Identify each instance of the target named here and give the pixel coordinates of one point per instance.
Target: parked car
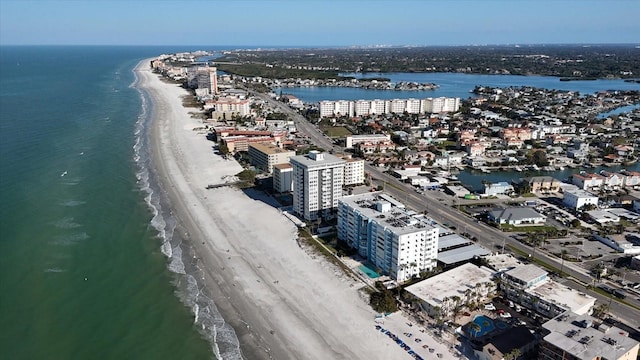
(518, 308)
(489, 307)
(505, 315)
(510, 304)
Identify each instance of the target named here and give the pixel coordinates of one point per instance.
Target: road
(439, 207)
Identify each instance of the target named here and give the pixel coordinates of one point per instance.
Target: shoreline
(282, 302)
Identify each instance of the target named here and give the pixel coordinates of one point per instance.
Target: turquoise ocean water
(82, 274)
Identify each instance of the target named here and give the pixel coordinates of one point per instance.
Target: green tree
(383, 301)
(513, 354)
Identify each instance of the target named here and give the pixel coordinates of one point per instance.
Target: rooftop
(315, 158)
(577, 335)
(515, 213)
(451, 283)
(501, 262)
(461, 254)
(564, 296)
(388, 212)
(270, 149)
(526, 273)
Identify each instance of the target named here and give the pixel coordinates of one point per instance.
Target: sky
(318, 23)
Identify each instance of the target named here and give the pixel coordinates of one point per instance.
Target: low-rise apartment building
(442, 294)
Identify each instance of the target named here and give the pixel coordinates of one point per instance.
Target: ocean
(82, 272)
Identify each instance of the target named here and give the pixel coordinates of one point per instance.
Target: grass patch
(527, 229)
(336, 131)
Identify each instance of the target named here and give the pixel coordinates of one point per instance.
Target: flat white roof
(575, 334)
(564, 296)
(526, 272)
(398, 219)
(451, 283)
(447, 241)
(462, 254)
(502, 261)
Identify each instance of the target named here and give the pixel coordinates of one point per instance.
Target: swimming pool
(483, 325)
(370, 273)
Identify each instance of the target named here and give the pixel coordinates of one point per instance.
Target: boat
(63, 174)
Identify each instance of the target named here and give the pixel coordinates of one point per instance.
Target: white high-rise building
(317, 184)
(336, 108)
(441, 104)
(354, 171)
(395, 240)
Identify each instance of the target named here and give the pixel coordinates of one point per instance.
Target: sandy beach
(282, 302)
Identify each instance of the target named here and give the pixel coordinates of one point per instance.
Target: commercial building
(516, 216)
(395, 240)
(265, 156)
(531, 287)
(283, 178)
(572, 336)
(317, 184)
(440, 295)
(576, 199)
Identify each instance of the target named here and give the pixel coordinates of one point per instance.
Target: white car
(518, 308)
(510, 304)
(505, 315)
(489, 307)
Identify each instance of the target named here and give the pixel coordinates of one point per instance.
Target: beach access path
(282, 302)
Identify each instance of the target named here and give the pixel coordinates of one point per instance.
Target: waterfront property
(573, 336)
(445, 294)
(395, 240)
(538, 183)
(499, 188)
(317, 184)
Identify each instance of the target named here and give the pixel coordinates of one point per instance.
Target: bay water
(450, 85)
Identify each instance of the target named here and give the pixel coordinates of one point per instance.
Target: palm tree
(562, 255)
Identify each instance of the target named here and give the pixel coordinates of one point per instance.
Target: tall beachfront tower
(317, 184)
(394, 239)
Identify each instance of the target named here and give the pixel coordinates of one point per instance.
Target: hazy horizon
(312, 23)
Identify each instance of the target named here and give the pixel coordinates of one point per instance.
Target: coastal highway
(441, 208)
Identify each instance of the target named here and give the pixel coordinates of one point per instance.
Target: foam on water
(71, 239)
(72, 203)
(66, 223)
(222, 337)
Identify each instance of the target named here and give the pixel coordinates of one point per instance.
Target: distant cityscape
(341, 170)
